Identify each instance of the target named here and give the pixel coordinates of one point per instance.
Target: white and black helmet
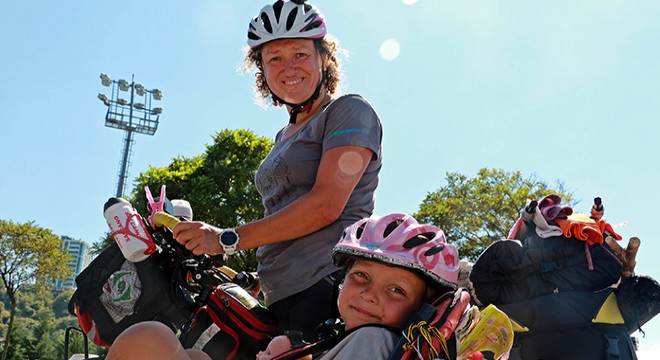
(286, 19)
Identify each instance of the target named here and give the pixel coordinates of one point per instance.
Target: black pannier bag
(570, 325)
(113, 294)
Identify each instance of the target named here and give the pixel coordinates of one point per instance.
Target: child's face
(374, 293)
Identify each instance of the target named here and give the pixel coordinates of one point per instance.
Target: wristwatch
(228, 239)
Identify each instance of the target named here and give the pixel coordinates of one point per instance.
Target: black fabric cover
(639, 301)
(510, 271)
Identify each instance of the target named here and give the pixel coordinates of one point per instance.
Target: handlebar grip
(616, 247)
(161, 218)
(529, 210)
(228, 271)
(631, 254)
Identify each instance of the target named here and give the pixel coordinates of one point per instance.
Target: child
(392, 265)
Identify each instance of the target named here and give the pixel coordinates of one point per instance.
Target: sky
(566, 91)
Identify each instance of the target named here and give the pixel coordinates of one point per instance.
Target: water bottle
(128, 230)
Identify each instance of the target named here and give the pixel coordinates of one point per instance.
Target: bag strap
(435, 316)
(425, 313)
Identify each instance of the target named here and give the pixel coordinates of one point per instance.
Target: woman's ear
(324, 61)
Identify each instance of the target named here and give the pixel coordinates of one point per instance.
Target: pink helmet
(398, 239)
(286, 19)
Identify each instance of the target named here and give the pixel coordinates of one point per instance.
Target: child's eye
(360, 275)
(397, 290)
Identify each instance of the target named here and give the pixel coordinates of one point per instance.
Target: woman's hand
(198, 237)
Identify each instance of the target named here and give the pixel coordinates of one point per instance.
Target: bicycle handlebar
(161, 218)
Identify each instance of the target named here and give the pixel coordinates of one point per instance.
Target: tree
(60, 303)
(219, 184)
(29, 256)
(21, 341)
(44, 344)
(40, 324)
(76, 345)
(474, 212)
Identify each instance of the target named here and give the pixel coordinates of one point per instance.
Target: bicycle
(194, 284)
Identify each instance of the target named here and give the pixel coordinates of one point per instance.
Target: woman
(320, 175)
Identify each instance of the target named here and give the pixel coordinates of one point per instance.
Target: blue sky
(565, 90)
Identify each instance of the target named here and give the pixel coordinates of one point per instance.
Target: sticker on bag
(121, 292)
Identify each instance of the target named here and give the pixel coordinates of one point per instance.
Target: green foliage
(101, 244)
(30, 255)
(60, 303)
(20, 342)
(176, 177)
(219, 184)
(32, 338)
(40, 326)
(76, 345)
(474, 212)
(30, 258)
(44, 344)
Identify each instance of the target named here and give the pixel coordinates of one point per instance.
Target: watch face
(228, 238)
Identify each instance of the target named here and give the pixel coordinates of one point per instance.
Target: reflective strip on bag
(206, 336)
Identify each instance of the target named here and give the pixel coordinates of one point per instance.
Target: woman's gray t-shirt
(289, 172)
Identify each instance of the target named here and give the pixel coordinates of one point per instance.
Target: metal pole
(128, 140)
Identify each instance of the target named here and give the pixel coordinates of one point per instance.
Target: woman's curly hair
(327, 46)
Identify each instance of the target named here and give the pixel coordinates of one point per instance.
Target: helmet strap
(303, 106)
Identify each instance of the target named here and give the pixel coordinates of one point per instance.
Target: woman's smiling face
(292, 68)
(375, 293)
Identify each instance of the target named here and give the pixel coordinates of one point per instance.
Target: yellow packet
(492, 333)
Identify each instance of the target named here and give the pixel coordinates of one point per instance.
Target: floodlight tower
(130, 116)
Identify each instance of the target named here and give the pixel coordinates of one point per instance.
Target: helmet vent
(417, 240)
(359, 231)
(277, 8)
(310, 17)
(434, 250)
(312, 25)
(266, 22)
(391, 226)
(290, 20)
(253, 36)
